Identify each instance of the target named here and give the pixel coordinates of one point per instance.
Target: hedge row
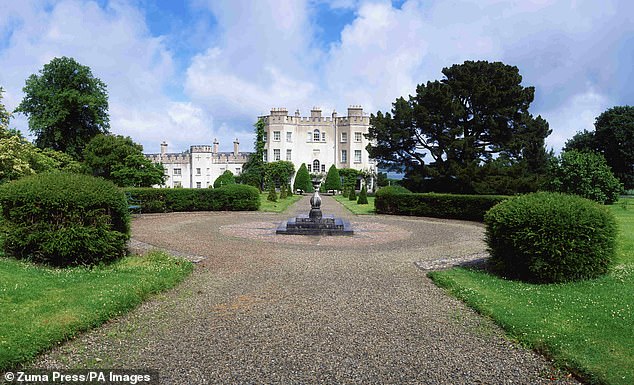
(231, 198)
(454, 206)
(64, 219)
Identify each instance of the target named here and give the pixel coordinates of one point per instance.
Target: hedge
(451, 206)
(551, 237)
(234, 197)
(64, 219)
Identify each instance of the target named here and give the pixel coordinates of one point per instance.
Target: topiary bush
(225, 179)
(353, 195)
(551, 237)
(64, 219)
(363, 197)
(232, 197)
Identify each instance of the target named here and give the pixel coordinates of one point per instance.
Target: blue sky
(190, 71)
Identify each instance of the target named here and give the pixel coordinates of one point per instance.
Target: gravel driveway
(266, 309)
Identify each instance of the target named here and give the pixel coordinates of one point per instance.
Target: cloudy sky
(189, 71)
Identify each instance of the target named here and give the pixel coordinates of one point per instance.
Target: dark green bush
(225, 179)
(353, 195)
(64, 219)
(363, 197)
(233, 197)
(452, 206)
(551, 237)
(392, 190)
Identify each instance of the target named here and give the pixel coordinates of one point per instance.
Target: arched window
(316, 136)
(316, 165)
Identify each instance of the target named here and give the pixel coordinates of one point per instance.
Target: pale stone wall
(319, 140)
(200, 166)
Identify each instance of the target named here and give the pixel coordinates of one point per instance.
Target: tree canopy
(476, 114)
(121, 160)
(279, 173)
(66, 106)
(586, 174)
(613, 138)
(253, 170)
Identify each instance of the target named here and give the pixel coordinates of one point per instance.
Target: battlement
(280, 115)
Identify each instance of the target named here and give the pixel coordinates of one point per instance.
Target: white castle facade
(200, 166)
(318, 141)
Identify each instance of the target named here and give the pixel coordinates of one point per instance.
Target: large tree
(613, 137)
(66, 106)
(121, 160)
(476, 114)
(253, 170)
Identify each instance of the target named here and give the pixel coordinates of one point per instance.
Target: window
(323, 168)
(197, 171)
(289, 136)
(344, 156)
(316, 136)
(207, 171)
(310, 136)
(177, 171)
(357, 156)
(276, 154)
(344, 137)
(288, 154)
(323, 136)
(264, 137)
(238, 170)
(316, 165)
(310, 168)
(177, 183)
(265, 156)
(198, 184)
(357, 136)
(276, 136)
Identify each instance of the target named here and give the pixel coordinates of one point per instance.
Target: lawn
(356, 208)
(277, 207)
(43, 306)
(586, 327)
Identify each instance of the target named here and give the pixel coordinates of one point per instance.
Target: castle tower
(215, 146)
(163, 148)
(236, 145)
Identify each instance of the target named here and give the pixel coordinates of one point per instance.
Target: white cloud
(578, 113)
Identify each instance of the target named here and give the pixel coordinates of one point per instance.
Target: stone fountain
(315, 223)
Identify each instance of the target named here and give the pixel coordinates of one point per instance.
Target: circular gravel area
(331, 310)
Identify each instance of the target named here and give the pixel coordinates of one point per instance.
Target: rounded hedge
(392, 190)
(64, 219)
(551, 237)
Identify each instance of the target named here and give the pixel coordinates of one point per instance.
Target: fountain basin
(305, 225)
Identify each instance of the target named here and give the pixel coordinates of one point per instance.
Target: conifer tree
(363, 197)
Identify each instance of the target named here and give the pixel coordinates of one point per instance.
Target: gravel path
(335, 310)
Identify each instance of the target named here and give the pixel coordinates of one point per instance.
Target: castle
(319, 141)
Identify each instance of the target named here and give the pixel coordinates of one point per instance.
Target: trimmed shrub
(353, 195)
(302, 180)
(225, 179)
(392, 190)
(283, 192)
(450, 206)
(64, 219)
(233, 197)
(363, 197)
(272, 197)
(551, 237)
(333, 180)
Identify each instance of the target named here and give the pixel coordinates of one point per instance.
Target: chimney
(236, 143)
(215, 147)
(163, 148)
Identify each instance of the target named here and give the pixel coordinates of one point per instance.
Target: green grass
(356, 208)
(587, 327)
(43, 306)
(276, 207)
